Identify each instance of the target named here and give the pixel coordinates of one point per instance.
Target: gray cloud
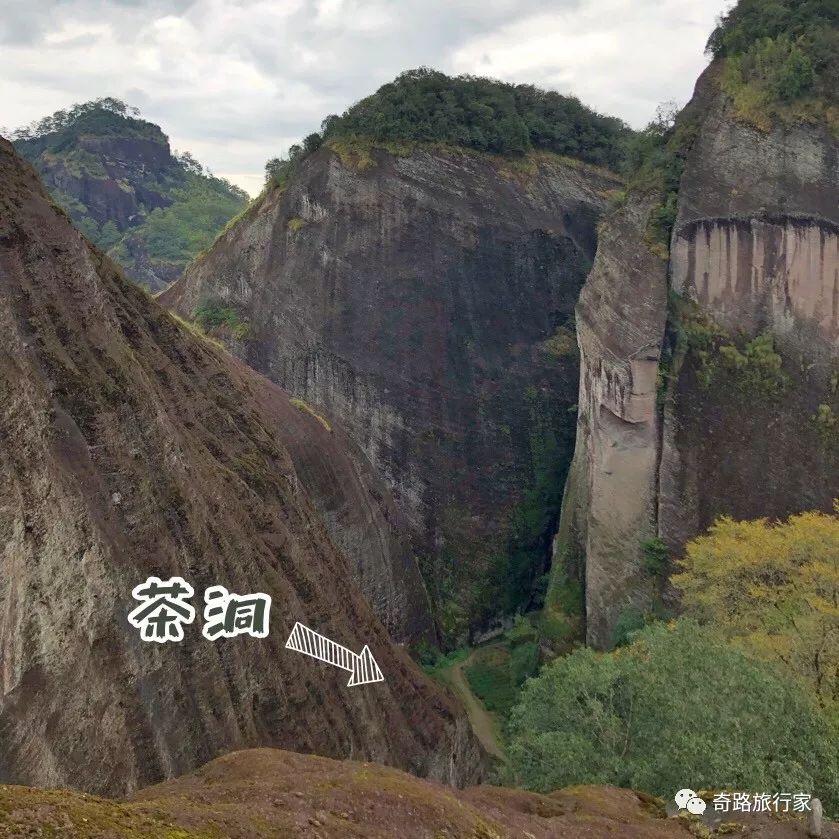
(236, 81)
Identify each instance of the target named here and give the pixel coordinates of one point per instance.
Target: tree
(312, 142)
(773, 587)
(677, 707)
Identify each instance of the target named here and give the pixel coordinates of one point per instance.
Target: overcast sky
(237, 81)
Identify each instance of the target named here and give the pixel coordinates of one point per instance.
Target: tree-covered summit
(103, 117)
(425, 105)
(781, 59)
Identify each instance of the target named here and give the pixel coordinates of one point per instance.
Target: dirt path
(484, 724)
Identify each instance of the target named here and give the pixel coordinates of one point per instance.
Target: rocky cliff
(611, 493)
(130, 447)
(743, 421)
(423, 297)
(118, 179)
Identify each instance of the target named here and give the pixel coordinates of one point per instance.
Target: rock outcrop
(413, 297)
(755, 247)
(753, 253)
(130, 447)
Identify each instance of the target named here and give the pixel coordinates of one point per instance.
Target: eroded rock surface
(610, 498)
(129, 447)
(754, 251)
(411, 298)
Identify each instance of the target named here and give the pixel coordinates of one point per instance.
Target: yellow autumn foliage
(772, 587)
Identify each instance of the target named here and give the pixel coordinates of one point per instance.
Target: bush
(774, 588)
(677, 707)
(779, 52)
(490, 678)
(630, 621)
(215, 316)
(655, 555)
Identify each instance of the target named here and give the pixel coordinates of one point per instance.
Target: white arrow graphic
(362, 666)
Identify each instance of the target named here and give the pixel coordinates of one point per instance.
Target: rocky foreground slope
(722, 399)
(130, 447)
(264, 793)
(261, 793)
(423, 296)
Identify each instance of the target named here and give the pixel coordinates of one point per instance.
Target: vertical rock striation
(754, 251)
(610, 498)
(129, 448)
(412, 297)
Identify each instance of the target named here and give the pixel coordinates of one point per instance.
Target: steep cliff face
(755, 246)
(610, 497)
(747, 383)
(120, 183)
(131, 448)
(413, 297)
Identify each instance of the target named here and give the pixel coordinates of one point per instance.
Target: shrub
(780, 52)
(630, 620)
(676, 707)
(214, 316)
(655, 555)
(774, 588)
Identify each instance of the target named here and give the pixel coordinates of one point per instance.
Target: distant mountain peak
(115, 174)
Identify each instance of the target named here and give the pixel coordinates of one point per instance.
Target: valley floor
(484, 723)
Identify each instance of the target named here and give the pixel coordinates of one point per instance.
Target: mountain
(709, 325)
(422, 294)
(116, 177)
(132, 447)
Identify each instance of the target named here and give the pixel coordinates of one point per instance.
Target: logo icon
(687, 799)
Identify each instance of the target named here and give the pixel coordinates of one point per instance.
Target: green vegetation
(425, 105)
(479, 577)
(749, 368)
(100, 117)
(522, 570)
(217, 317)
(434, 662)
(498, 671)
(491, 681)
(169, 208)
(676, 703)
(655, 555)
(308, 409)
(773, 587)
(654, 162)
(781, 59)
(827, 423)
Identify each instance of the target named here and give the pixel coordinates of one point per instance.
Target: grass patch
(304, 406)
(490, 679)
(434, 663)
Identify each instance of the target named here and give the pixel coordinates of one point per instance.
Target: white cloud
(236, 81)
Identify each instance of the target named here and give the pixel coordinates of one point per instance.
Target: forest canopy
(677, 703)
(425, 105)
(780, 52)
